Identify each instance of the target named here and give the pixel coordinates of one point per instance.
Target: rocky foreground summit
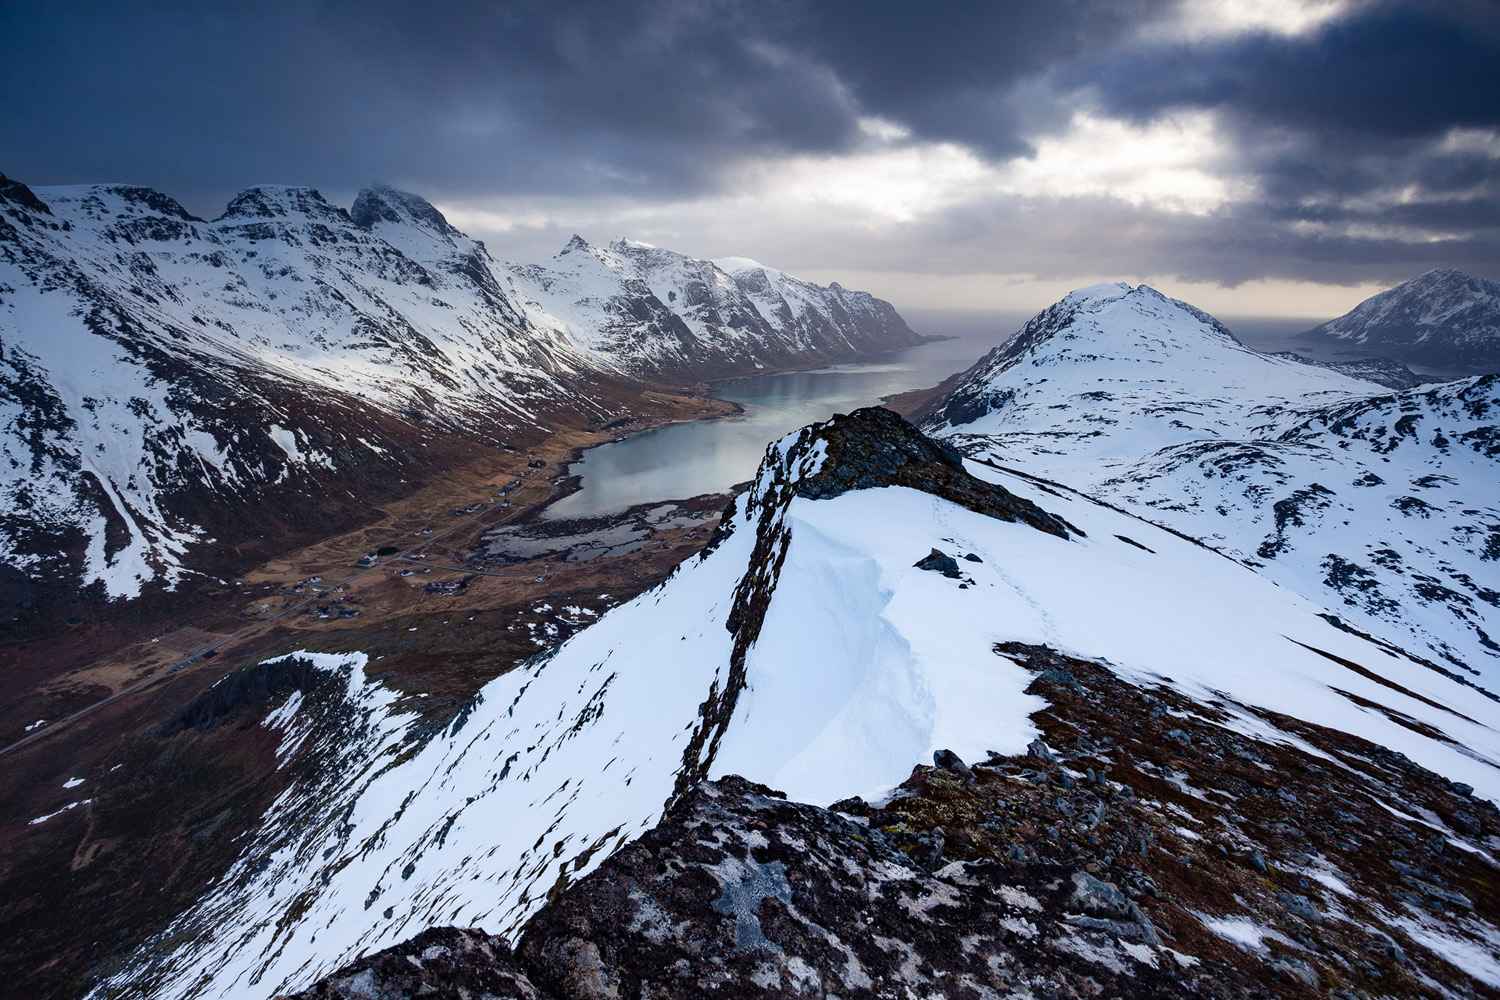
(1140, 849)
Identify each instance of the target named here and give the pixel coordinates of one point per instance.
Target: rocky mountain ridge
(1444, 318)
(1140, 848)
(651, 311)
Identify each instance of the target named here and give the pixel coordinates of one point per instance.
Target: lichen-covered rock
(875, 447)
(742, 893)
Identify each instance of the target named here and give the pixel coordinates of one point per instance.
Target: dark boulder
(939, 562)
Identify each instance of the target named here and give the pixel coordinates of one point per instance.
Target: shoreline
(570, 482)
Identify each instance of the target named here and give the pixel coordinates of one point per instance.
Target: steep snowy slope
(1444, 318)
(643, 309)
(1379, 505)
(166, 379)
(820, 646)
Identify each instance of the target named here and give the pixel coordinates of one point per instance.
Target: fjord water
(709, 456)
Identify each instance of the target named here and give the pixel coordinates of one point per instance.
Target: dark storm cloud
(462, 97)
(1343, 132)
(949, 71)
(650, 96)
(1394, 70)
(1346, 130)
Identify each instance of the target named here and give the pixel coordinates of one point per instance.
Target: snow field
(1378, 504)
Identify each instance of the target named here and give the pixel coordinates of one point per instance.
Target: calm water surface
(685, 460)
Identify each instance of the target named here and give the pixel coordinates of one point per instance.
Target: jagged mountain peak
(1142, 298)
(647, 307)
(626, 245)
(629, 257)
(100, 199)
(1441, 288)
(1440, 278)
(148, 200)
(382, 203)
(102, 203)
(1130, 331)
(739, 265)
(278, 201)
(1104, 291)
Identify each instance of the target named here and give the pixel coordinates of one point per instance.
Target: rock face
(446, 962)
(1375, 503)
(1444, 319)
(1144, 850)
(740, 893)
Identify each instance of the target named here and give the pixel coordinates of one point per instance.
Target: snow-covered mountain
(1379, 505)
(166, 378)
(872, 600)
(166, 381)
(1443, 318)
(650, 311)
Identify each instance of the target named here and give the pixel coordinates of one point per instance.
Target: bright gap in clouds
(1174, 164)
(1197, 20)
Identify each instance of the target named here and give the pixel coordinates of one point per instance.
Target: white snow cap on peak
(633, 244)
(1105, 291)
(735, 265)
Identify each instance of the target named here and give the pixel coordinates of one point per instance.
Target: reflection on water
(685, 460)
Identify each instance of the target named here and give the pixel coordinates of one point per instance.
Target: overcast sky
(1254, 156)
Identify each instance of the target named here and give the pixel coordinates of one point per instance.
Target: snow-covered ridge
(806, 649)
(1444, 318)
(641, 308)
(158, 371)
(1380, 505)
